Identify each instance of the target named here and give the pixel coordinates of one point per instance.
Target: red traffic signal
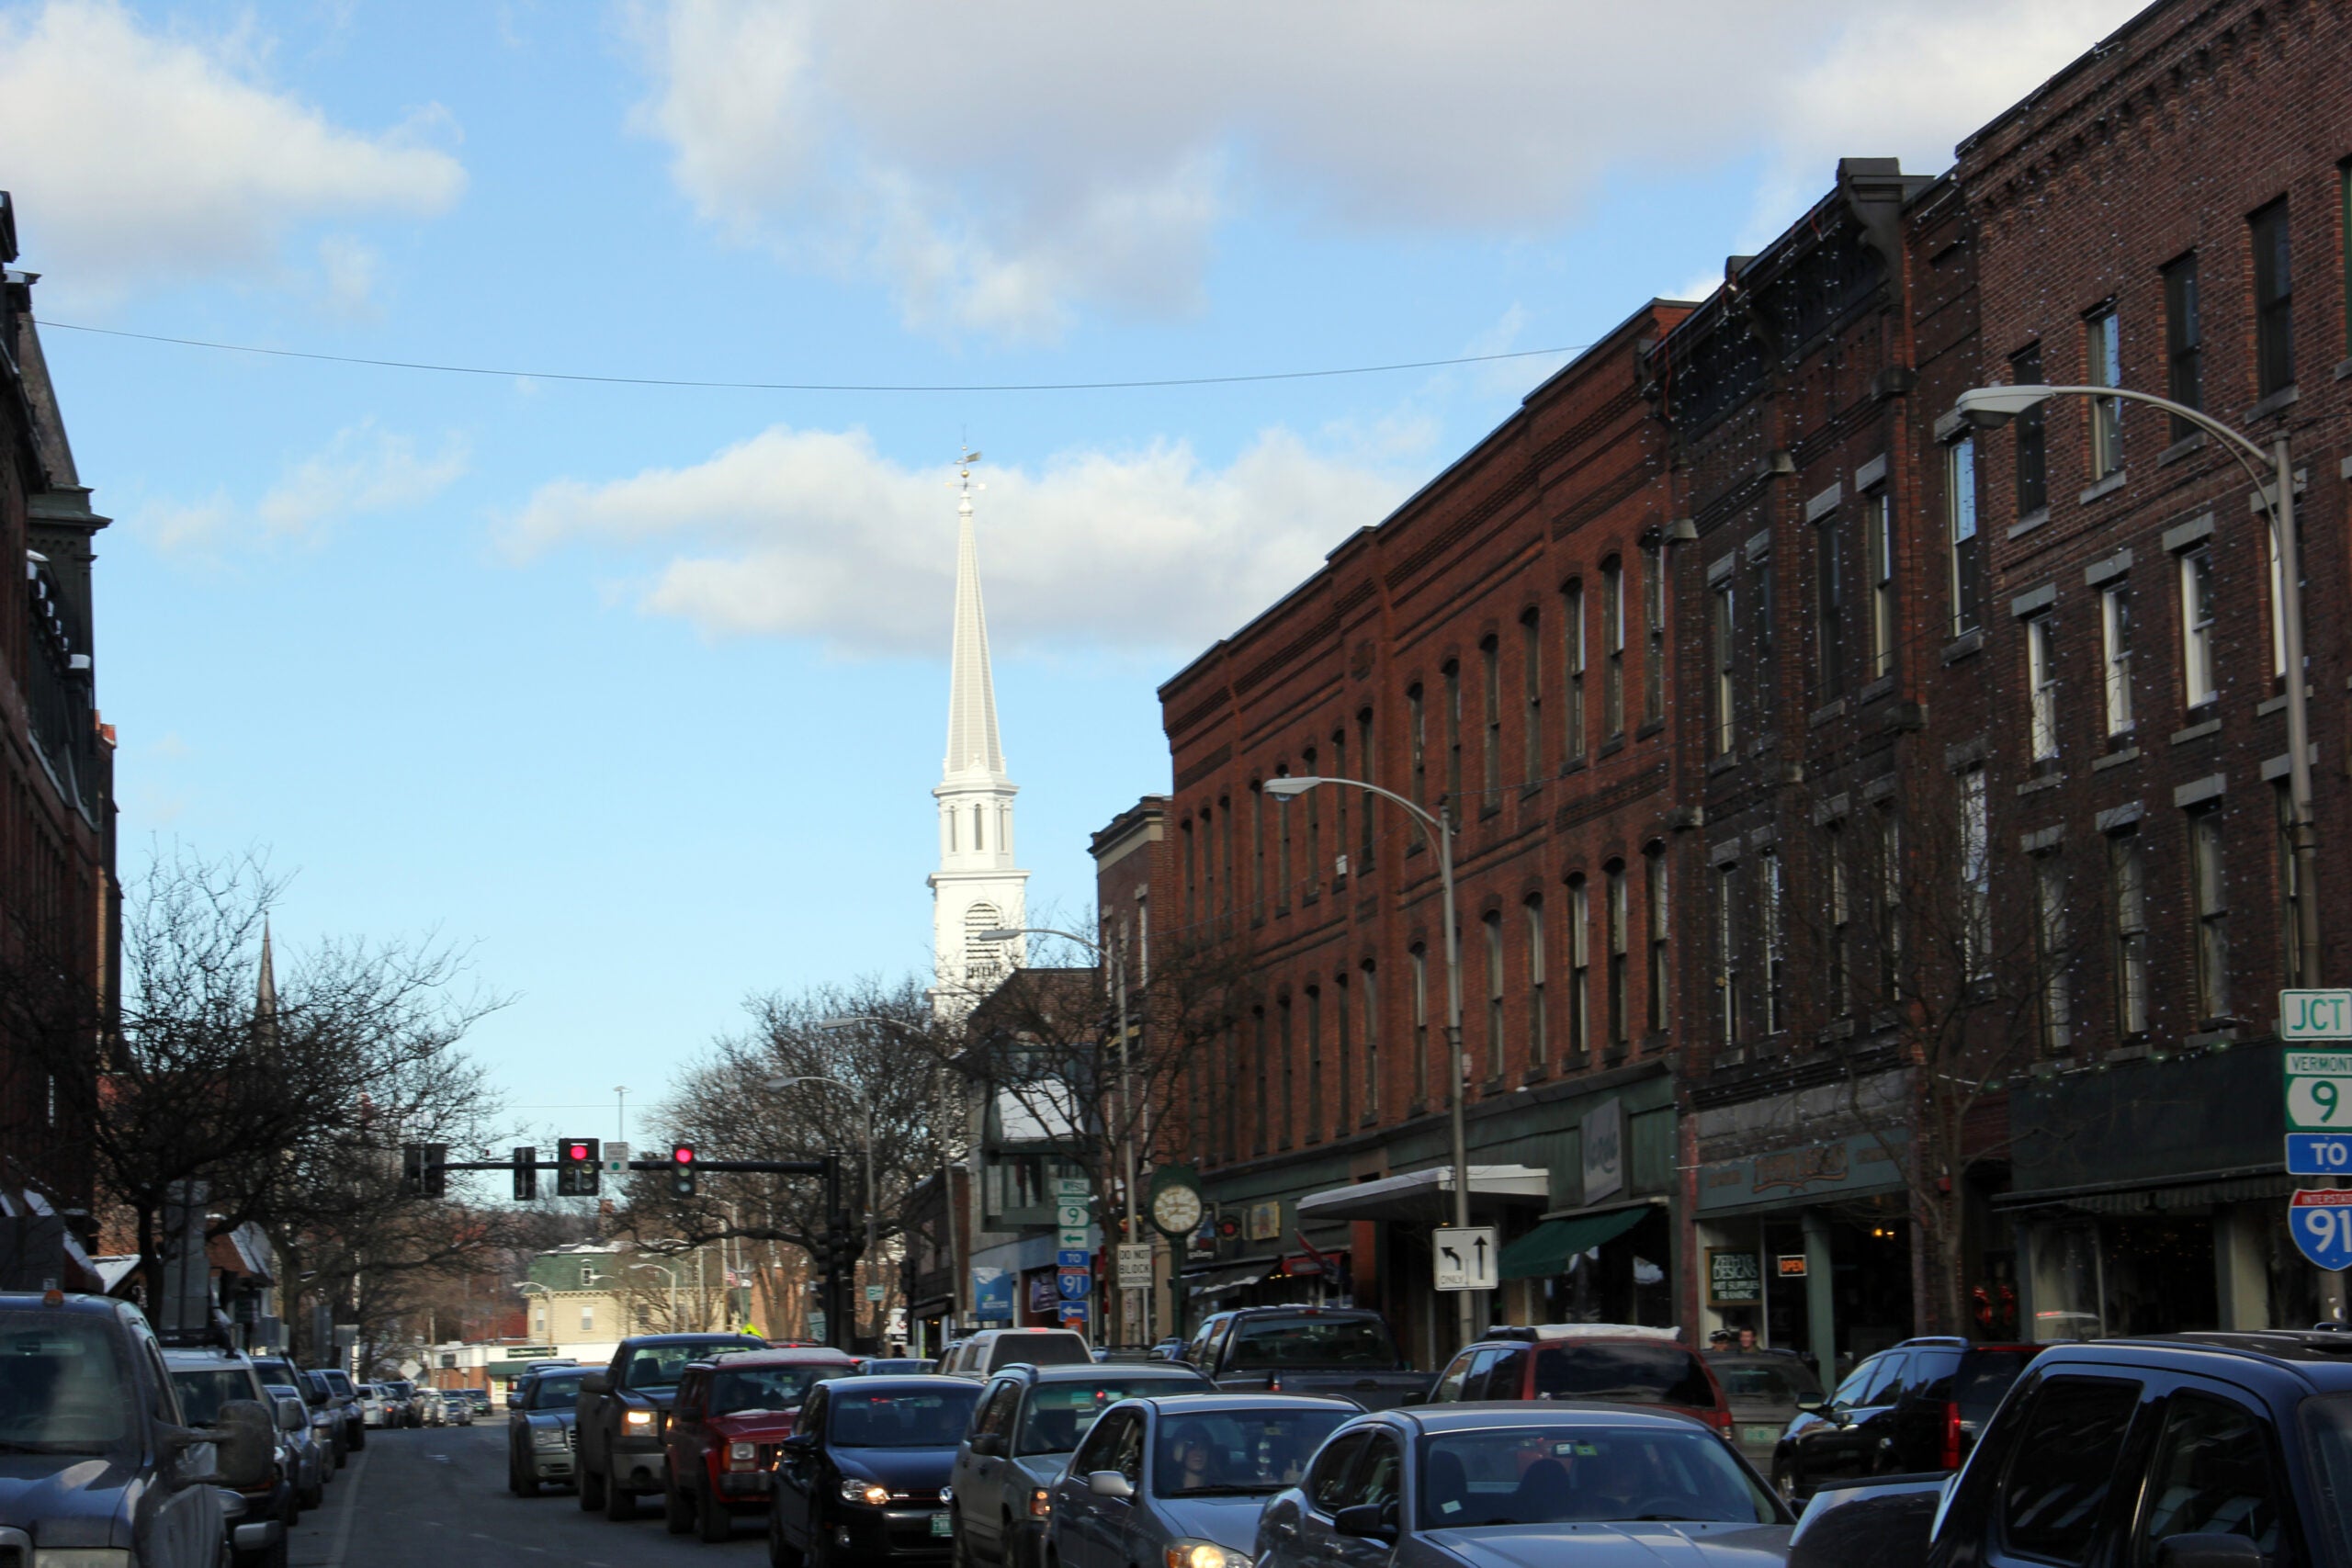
(681, 1169)
(576, 1172)
(684, 1154)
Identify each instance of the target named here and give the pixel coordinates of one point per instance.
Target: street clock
(1176, 1206)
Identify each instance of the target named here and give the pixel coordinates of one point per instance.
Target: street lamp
(1440, 829)
(839, 1026)
(1989, 408)
(1126, 1085)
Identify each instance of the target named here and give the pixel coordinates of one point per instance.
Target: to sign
(1135, 1266)
(2319, 1154)
(2319, 1091)
(2315, 1015)
(2321, 1221)
(1468, 1259)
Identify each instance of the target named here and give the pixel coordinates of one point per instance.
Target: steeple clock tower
(976, 888)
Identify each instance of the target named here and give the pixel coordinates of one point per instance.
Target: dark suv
(1619, 1363)
(1912, 1407)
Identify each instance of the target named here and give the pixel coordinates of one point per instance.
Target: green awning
(1544, 1251)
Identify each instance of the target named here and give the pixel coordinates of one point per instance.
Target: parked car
(97, 1453)
(2217, 1450)
(429, 1408)
(861, 1478)
(1613, 1362)
(206, 1382)
(478, 1400)
(1180, 1478)
(400, 1394)
(1030, 1420)
(896, 1366)
(374, 1406)
(1168, 1349)
(1295, 1350)
(541, 1445)
(623, 1408)
(719, 1443)
(1915, 1406)
(1521, 1483)
(345, 1393)
(1767, 1390)
(992, 1349)
(325, 1422)
(309, 1461)
(458, 1406)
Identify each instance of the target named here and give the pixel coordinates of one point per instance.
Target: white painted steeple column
(976, 886)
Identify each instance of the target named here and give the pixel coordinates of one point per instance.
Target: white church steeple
(976, 888)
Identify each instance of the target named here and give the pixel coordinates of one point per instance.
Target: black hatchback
(1914, 1407)
(863, 1477)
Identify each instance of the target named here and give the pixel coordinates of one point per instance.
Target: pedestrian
(1747, 1339)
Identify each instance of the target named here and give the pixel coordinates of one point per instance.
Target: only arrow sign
(1466, 1256)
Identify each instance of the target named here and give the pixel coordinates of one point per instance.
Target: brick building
(1496, 650)
(2168, 216)
(1912, 906)
(59, 935)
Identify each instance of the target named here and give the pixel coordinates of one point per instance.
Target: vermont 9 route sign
(2319, 1091)
(2322, 1222)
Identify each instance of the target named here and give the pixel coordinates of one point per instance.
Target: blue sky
(642, 690)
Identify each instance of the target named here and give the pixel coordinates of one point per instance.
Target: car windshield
(339, 1382)
(1268, 1343)
(551, 1392)
(1765, 1383)
(1059, 1412)
(1657, 1373)
(204, 1390)
(1233, 1453)
(63, 1388)
(767, 1388)
(891, 1419)
(661, 1366)
(1050, 1347)
(1576, 1473)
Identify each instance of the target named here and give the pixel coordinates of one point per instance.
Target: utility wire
(1134, 385)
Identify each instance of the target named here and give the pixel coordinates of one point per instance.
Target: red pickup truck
(723, 1429)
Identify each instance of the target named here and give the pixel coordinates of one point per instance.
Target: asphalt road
(438, 1495)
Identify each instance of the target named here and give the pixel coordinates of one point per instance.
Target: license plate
(940, 1525)
(1760, 1434)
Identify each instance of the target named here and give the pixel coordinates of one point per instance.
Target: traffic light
(420, 1172)
(527, 1175)
(681, 1170)
(578, 1169)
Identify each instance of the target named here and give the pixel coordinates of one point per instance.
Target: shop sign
(992, 1295)
(1266, 1220)
(1850, 1167)
(1790, 1265)
(1603, 1143)
(1734, 1278)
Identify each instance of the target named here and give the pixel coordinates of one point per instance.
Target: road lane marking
(350, 1475)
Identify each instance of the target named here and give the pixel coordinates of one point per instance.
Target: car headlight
(1204, 1554)
(638, 1419)
(547, 1437)
(865, 1492)
(83, 1557)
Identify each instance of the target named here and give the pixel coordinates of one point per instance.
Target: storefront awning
(1544, 1251)
(1220, 1282)
(1421, 1195)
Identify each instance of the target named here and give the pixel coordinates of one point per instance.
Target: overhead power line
(1136, 384)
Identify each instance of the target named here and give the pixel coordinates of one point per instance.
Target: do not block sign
(2321, 1222)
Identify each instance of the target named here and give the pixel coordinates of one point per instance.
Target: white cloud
(349, 270)
(137, 156)
(812, 534)
(362, 470)
(1004, 170)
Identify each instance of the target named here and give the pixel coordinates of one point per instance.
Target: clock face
(1177, 1210)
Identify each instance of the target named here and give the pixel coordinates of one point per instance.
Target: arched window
(983, 960)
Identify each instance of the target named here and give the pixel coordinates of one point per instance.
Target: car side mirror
(1109, 1484)
(292, 1416)
(1373, 1521)
(596, 1382)
(2208, 1551)
(245, 1445)
(1415, 1398)
(990, 1444)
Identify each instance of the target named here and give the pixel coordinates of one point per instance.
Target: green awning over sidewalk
(1544, 1251)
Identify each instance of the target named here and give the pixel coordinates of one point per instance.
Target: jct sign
(2315, 1015)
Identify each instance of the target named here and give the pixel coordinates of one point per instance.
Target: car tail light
(1720, 1418)
(1952, 1435)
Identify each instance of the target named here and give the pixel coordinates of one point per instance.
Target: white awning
(1220, 1282)
(1425, 1197)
